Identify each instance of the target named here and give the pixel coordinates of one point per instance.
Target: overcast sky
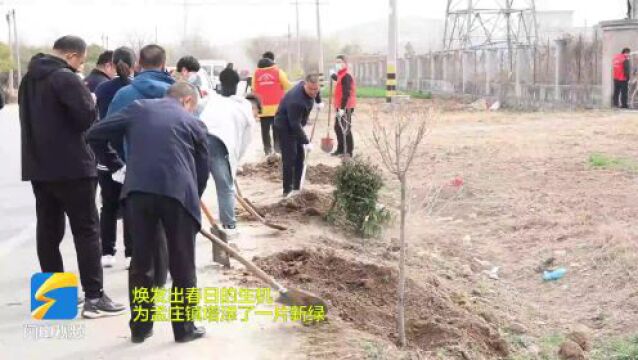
(224, 21)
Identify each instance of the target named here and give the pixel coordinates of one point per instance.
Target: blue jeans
(220, 169)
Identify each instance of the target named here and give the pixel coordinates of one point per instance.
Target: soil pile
(365, 295)
(270, 169)
(306, 203)
(321, 174)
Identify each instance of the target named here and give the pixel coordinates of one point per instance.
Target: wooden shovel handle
(247, 263)
(207, 213)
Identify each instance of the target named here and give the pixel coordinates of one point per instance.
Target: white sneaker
(127, 261)
(292, 194)
(108, 261)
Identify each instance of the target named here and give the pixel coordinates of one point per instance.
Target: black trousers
(340, 124)
(110, 192)
(76, 199)
(144, 212)
(621, 90)
(266, 126)
(292, 159)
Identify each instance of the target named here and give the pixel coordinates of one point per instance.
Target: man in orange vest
(345, 100)
(270, 84)
(621, 78)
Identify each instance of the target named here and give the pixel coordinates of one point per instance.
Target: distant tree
(409, 50)
(351, 49)
(93, 51)
(6, 62)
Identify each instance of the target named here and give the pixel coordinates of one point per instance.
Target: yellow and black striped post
(390, 82)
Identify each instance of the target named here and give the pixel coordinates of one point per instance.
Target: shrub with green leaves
(357, 188)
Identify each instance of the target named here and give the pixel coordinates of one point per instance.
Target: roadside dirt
(493, 196)
(365, 296)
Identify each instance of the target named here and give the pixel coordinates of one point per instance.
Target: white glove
(341, 112)
(319, 106)
(119, 175)
(308, 147)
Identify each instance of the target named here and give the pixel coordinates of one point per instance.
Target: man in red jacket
(345, 100)
(621, 78)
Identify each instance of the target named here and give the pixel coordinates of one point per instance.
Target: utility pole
(289, 52)
(17, 42)
(391, 71)
(185, 19)
(10, 43)
(298, 37)
(321, 65)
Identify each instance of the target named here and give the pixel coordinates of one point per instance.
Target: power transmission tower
(480, 24)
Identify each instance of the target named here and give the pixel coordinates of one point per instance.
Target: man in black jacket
(290, 119)
(229, 78)
(104, 71)
(167, 170)
(55, 111)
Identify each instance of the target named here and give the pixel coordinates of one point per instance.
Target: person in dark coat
(104, 71)
(124, 60)
(290, 119)
(151, 83)
(229, 78)
(167, 170)
(56, 109)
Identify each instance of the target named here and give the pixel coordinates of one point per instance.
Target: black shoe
(101, 307)
(195, 334)
(139, 338)
(336, 153)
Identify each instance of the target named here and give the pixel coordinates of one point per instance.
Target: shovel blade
(219, 255)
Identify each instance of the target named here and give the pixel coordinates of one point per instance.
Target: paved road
(109, 338)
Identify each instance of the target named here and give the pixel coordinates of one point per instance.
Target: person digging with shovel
(345, 100)
(290, 119)
(229, 120)
(167, 171)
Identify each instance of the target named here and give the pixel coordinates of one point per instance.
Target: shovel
(219, 256)
(305, 161)
(254, 212)
(287, 296)
(327, 143)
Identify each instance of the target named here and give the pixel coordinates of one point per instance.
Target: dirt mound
(321, 174)
(365, 295)
(270, 169)
(308, 203)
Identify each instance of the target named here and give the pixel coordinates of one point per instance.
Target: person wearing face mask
(187, 68)
(56, 110)
(345, 100)
(167, 171)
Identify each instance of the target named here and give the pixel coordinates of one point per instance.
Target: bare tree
(397, 138)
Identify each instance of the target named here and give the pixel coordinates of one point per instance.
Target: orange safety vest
(352, 100)
(619, 67)
(268, 87)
